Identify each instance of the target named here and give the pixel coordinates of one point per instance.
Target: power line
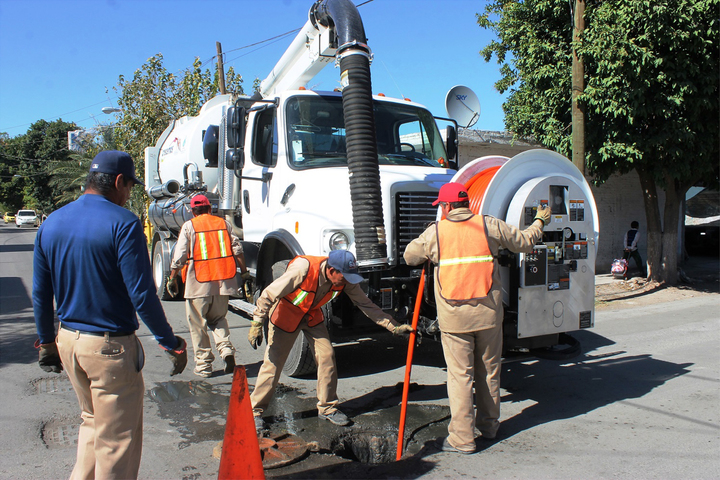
(271, 39)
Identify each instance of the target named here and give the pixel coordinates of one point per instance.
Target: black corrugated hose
(362, 157)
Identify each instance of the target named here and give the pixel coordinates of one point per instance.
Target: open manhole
(372, 446)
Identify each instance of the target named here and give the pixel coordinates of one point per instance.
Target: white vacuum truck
(299, 172)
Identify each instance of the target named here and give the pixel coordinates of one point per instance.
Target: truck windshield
(406, 135)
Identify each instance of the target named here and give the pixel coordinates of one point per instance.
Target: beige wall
(619, 201)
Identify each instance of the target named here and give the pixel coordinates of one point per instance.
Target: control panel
(534, 267)
(557, 278)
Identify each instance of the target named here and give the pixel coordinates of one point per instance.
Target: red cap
(452, 192)
(199, 201)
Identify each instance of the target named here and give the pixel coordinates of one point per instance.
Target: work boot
(229, 363)
(337, 417)
(259, 424)
(445, 446)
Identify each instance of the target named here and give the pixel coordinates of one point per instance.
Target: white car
(26, 218)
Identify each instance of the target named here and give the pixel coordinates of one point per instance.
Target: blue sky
(58, 57)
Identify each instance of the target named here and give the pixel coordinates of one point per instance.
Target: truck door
(256, 190)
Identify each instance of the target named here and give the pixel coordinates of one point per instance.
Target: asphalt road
(641, 402)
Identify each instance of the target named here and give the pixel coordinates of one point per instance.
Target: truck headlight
(338, 241)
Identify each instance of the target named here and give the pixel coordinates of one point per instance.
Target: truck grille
(414, 213)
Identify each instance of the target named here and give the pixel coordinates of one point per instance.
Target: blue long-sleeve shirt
(92, 257)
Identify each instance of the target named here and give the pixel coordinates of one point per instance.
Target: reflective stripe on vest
(292, 308)
(213, 258)
(465, 263)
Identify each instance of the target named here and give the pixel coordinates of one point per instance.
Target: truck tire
(159, 272)
(300, 361)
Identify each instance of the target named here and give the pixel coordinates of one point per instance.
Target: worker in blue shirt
(91, 256)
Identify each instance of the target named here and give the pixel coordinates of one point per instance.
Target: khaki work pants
(106, 375)
(279, 345)
(208, 313)
(473, 358)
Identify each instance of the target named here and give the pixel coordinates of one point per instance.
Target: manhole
(60, 433)
(57, 384)
(281, 449)
(367, 446)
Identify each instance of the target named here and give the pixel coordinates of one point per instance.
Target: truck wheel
(159, 274)
(300, 361)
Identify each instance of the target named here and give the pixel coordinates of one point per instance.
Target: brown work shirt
(294, 276)
(473, 315)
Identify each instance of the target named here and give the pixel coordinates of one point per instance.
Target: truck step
(241, 306)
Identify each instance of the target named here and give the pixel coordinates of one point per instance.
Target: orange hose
(477, 186)
(408, 367)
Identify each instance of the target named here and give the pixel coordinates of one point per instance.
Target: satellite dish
(463, 106)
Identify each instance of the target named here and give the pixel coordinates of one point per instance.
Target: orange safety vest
(292, 308)
(212, 254)
(465, 265)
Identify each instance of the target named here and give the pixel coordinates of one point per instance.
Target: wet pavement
(198, 410)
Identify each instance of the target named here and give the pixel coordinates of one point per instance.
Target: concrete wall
(619, 201)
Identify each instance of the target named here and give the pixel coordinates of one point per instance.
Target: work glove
(255, 335)
(48, 357)
(172, 287)
(402, 330)
(248, 291)
(245, 276)
(178, 356)
(543, 213)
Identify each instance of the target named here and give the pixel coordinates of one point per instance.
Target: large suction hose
(365, 193)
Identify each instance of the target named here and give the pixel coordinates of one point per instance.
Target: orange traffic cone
(240, 458)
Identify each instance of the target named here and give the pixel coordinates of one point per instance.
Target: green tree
(651, 96)
(26, 158)
(154, 97)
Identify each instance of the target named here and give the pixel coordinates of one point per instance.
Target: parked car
(9, 217)
(26, 218)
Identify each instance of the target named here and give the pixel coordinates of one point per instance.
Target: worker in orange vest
(292, 303)
(464, 248)
(208, 253)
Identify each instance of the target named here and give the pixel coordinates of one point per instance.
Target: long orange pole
(408, 366)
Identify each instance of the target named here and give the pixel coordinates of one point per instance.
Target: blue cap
(115, 162)
(344, 262)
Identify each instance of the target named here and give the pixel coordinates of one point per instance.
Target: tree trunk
(654, 226)
(674, 195)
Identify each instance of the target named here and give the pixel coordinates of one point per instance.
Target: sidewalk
(704, 269)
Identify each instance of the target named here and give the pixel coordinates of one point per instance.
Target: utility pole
(578, 86)
(221, 69)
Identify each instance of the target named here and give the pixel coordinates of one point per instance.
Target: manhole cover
(281, 449)
(56, 384)
(60, 433)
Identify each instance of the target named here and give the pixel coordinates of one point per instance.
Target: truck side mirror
(451, 142)
(235, 126)
(234, 159)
